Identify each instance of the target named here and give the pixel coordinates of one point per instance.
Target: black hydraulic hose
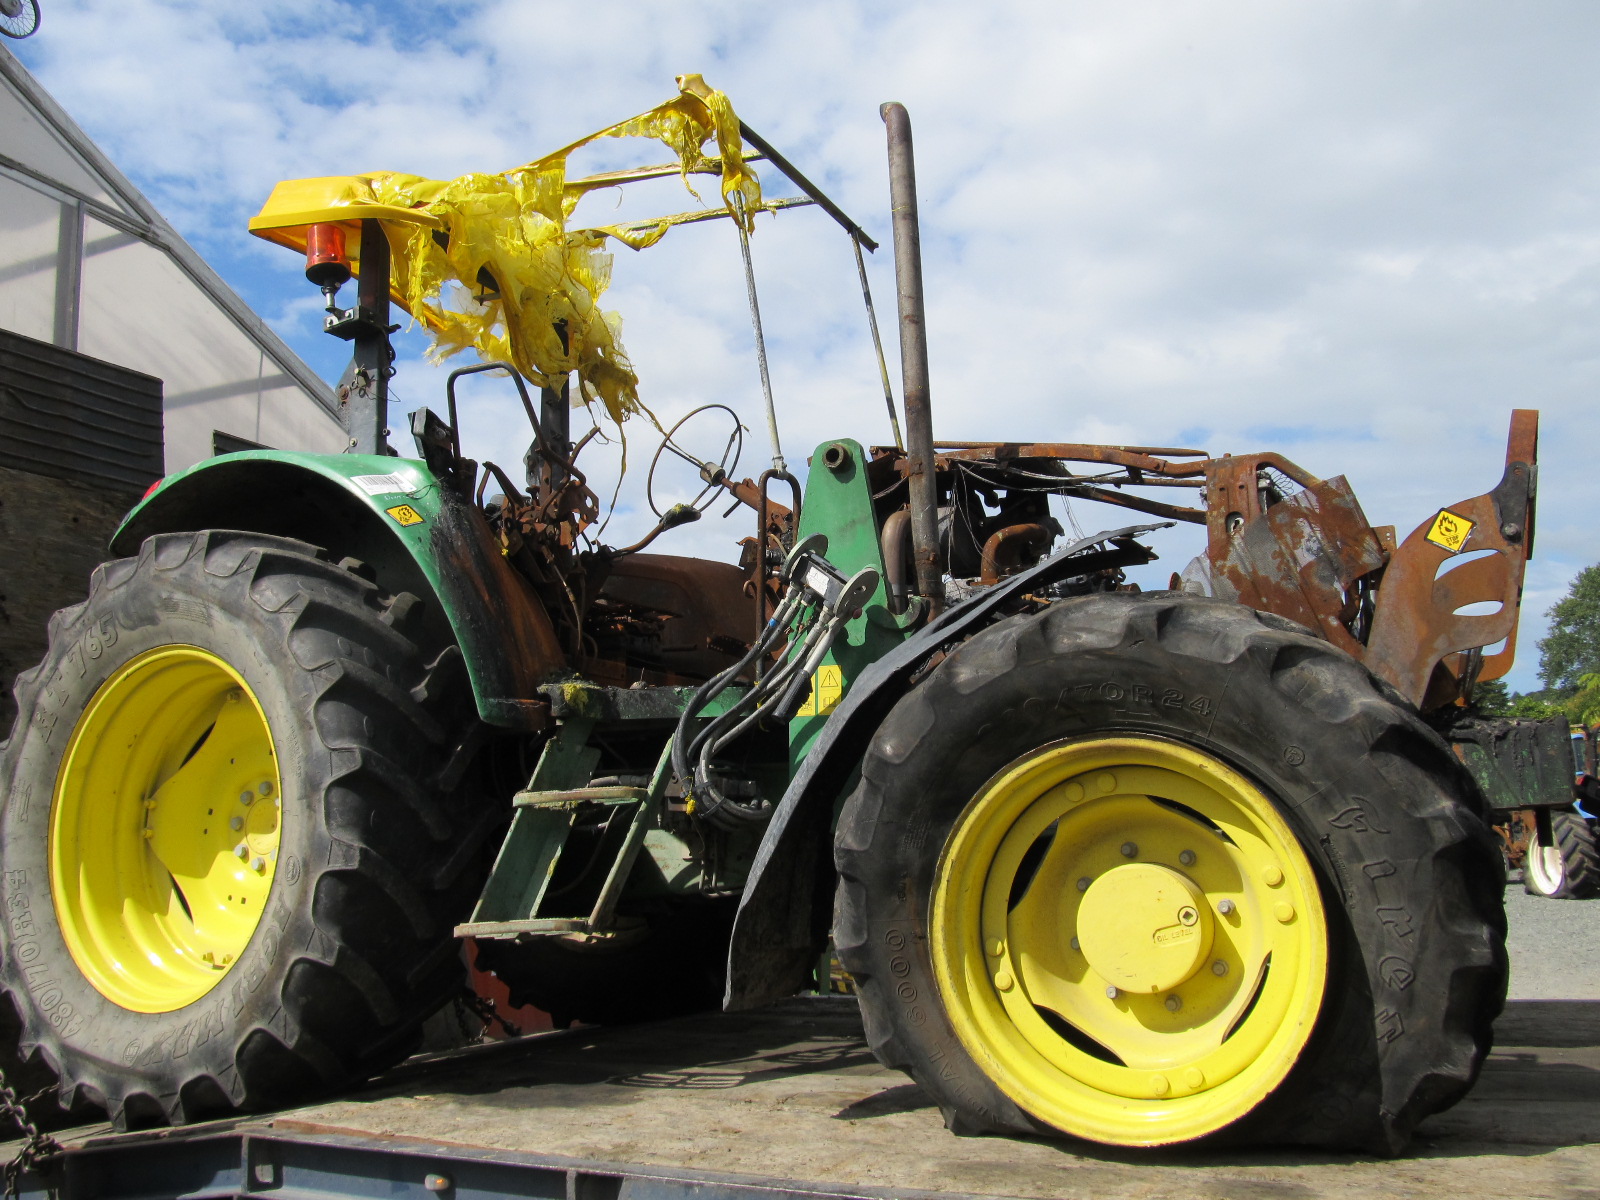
(710, 688)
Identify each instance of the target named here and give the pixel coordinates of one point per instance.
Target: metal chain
(38, 1147)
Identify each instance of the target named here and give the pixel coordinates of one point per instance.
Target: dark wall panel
(73, 417)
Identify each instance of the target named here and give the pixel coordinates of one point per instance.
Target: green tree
(1572, 647)
(1584, 705)
(1490, 698)
(1533, 705)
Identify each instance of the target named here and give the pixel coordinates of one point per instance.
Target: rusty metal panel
(1300, 558)
(1421, 641)
(73, 417)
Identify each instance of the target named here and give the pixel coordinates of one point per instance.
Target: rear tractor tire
(229, 877)
(1568, 868)
(1151, 869)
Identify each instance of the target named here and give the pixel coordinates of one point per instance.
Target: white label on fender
(378, 485)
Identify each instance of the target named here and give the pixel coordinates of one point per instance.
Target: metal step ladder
(557, 813)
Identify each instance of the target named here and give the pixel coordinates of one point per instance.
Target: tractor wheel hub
(1144, 927)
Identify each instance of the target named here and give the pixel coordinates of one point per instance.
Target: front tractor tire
(229, 878)
(1151, 869)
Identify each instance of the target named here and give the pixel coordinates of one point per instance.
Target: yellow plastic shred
(513, 225)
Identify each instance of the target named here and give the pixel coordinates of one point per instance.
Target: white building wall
(87, 264)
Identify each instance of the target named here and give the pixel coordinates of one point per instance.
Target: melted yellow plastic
(514, 226)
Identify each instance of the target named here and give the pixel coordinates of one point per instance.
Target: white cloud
(1356, 232)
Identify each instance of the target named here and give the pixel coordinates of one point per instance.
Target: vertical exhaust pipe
(914, 357)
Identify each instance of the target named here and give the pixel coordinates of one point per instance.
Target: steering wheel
(724, 466)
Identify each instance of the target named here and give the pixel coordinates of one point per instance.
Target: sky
(1356, 233)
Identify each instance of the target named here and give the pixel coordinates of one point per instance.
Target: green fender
(393, 514)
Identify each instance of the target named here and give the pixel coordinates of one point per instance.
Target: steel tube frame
(914, 358)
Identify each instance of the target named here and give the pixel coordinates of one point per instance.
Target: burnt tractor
(1140, 867)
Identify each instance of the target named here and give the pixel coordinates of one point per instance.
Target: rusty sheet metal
(1421, 641)
(707, 620)
(502, 623)
(1299, 558)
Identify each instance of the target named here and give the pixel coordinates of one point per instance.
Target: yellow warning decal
(405, 514)
(1450, 530)
(827, 689)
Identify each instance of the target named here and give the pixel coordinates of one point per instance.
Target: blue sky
(1357, 233)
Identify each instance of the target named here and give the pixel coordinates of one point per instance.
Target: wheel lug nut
(258, 863)
(1219, 968)
(242, 850)
(1075, 943)
(1083, 884)
(247, 797)
(1129, 849)
(236, 824)
(1111, 993)
(1187, 858)
(266, 787)
(1174, 1003)
(1224, 907)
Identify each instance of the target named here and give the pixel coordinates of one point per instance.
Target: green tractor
(1135, 867)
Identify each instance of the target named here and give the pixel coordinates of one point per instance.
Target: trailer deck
(789, 1102)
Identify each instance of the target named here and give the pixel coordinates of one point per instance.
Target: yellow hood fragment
(513, 225)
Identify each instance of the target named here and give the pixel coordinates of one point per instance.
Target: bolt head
(242, 851)
(1187, 858)
(1111, 993)
(1075, 945)
(236, 824)
(1174, 1003)
(1225, 907)
(247, 797)
(265, 787)
(1219, 968)
(1129, 849)
(1083, 884)
(258, 863)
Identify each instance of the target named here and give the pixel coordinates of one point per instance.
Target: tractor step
(572, 797)
(570, 847)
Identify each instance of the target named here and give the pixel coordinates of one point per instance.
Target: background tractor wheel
(1568, 867)
(1146, 869)
(230, 875)
(668, 962)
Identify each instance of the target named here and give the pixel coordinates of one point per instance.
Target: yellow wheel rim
(1128, 939)
(164, 830)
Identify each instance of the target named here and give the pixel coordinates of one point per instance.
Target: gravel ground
(1555, 947)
